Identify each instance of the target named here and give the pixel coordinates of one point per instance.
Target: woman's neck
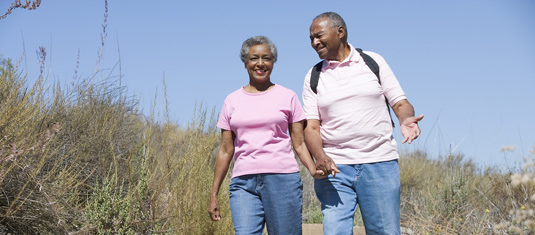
(257, 88)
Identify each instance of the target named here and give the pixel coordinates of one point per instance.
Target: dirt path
(317, 229)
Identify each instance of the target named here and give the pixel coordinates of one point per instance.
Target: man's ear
(341, 32)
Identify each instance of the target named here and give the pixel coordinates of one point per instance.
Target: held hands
(410, 129)
(318, 174)
(324, 167)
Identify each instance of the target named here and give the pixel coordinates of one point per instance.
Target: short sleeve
(389, 83)
(224, 116)
(297, 110)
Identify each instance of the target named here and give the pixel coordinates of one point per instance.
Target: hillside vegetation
(82, 159)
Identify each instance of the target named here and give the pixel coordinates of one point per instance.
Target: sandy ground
(317, 229)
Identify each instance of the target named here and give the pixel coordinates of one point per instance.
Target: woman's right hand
(214, 209)
(226, 152)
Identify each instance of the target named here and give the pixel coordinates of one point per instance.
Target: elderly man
(349, 132)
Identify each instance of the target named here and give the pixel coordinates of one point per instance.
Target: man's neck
(343, 52)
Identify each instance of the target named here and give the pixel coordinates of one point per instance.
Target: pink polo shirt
(355, 124)
(260, 122)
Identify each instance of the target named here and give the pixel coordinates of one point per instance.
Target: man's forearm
(403, 109)
(314, 143)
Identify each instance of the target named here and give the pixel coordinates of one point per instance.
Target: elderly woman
(255, 121)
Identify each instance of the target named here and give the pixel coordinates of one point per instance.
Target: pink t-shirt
(260, 122)
(355, 124)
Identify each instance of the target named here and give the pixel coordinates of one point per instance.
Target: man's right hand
(324, 164)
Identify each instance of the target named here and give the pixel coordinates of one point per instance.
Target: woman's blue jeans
(273, 199)
(374, 188)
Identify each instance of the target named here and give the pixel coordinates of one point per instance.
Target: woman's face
(259, 63)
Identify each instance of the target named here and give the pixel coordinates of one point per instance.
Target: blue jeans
(273, 199)
(374, 188)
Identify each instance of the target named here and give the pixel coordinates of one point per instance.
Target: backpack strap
(315, 76)
(370, 62)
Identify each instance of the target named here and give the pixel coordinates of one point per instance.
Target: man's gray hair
(335, 20)
(257, 40)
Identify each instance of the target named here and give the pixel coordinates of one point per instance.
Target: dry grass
(86, 150)
(82, 159)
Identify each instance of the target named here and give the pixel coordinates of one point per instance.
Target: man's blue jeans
(273, 199)
(374, 188)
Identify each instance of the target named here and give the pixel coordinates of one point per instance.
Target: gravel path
(317, 229)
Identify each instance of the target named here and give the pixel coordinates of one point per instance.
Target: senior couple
(343, 135)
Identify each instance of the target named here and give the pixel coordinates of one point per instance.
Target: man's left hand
(410, 129)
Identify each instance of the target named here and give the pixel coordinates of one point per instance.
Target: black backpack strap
(315, 76)
(371, 63)
(375, 69)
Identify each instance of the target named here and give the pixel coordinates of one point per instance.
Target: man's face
(325, 39)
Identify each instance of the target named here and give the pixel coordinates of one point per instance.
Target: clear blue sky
(469, 66)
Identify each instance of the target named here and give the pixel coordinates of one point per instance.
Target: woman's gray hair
(257, 40)
(335, 20)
